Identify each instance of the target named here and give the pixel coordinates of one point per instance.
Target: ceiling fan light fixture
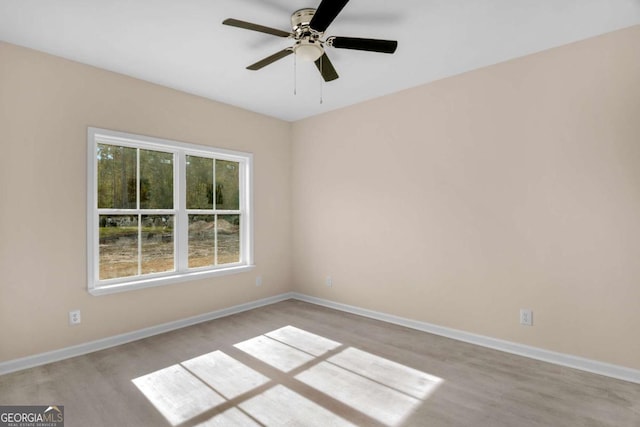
(308, 50)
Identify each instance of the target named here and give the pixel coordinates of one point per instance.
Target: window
(162, 212)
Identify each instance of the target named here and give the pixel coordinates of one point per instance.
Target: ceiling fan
(307, 30)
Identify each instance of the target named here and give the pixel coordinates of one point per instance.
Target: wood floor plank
(479, 386)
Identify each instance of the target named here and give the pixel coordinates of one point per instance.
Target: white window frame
(181, 273)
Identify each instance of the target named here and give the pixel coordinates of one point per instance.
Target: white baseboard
(601, 368)
(583, 364)
(101, 344)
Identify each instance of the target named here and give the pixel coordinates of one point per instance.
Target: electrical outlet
(526, 317)
(328, 281)
(74, 317)
(259, 281)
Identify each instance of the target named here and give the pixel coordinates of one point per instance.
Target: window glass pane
(118, 246)
(228, 228)
(157, 243)
(201, 240)
(156, 180)
(227, 185)
(199, 183)
(116, 177)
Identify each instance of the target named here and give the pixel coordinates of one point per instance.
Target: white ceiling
(182, 43)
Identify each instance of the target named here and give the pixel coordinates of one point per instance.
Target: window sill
(167, 280)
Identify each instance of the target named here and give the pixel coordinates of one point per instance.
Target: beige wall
(455, 203)
(460, 202)
(46, 104)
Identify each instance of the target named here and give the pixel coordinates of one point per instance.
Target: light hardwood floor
(294, 363)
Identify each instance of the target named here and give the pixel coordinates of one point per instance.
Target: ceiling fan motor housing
(308, 45)
(300, 20)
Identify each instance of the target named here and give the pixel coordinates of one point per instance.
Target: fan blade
(371, 45)
(269, 59)
(326, 13)
(255, 27)
(326, 68)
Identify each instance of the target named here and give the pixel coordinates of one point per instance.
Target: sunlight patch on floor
(303, 340)
(225, 374)
(280, 406)
(230, 417)
(280, 356)
(177, 394)
(215, 389)
(377, 400)
(387, 372)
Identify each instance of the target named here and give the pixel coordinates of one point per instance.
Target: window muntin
(163, 211)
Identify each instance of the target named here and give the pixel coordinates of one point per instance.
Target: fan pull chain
(321, 78)
(295, 74)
